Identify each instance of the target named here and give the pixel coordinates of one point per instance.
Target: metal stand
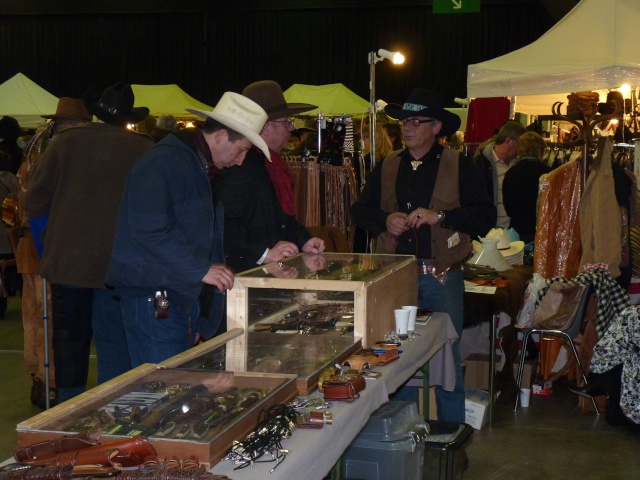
(45, 318)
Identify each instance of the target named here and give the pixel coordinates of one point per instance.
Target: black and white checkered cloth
(611, 297)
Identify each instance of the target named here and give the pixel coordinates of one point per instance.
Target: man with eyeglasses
(427, 200)
(260, 224)
(493, 161)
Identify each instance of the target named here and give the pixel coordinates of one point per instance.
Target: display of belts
(303, 355)
(182, 412)
(331, 295)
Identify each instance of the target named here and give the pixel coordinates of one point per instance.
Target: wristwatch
(441, 215)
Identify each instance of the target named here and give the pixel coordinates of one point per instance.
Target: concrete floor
(549, 440)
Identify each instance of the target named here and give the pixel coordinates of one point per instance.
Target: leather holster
(66, 443)
(126, 453)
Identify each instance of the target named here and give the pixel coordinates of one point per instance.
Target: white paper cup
(413, 312)
(525, 395)
(402, 321)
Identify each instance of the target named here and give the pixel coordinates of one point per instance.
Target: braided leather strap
(64, 472)
(170, 474)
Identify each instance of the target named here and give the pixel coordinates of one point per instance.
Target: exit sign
(456, 6)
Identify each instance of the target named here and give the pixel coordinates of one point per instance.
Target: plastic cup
(413, 312)
(525, 395)
(402, 322)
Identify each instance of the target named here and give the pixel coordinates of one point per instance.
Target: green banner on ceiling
(456, 6)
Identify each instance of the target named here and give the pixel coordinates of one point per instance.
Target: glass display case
(182, 412)
(330, 294)
(306, 356)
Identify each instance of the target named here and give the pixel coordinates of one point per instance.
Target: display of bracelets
(276, 424)
(174, 411)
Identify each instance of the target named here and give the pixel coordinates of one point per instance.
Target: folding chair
(568, 335)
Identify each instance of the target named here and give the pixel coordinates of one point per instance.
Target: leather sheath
(129, 452)
(344, 388)
(361, 361)
(388, 356)
(66, 443)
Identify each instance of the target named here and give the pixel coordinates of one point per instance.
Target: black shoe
(36, 390)
(38, 395)
(588, 391)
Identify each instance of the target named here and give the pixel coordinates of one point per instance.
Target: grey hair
(167, 121)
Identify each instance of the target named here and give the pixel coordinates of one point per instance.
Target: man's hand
(314, 245)
(281, 250)
(396, 223)
(220, 276)
(421, 216)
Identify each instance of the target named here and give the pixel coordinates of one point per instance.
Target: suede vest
(446, 196)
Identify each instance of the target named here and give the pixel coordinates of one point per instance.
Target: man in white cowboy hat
(260, 222)
(426, 200)
(169, 237)
(78, 184)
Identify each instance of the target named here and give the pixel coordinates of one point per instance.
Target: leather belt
(427, 267)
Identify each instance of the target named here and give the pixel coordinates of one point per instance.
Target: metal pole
(372, 115)
(45, 318)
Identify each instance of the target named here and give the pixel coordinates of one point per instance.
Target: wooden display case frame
(393, 286)
(39, 428)
(305, 384)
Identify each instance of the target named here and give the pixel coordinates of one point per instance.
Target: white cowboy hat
(240, 114)
(506, 248)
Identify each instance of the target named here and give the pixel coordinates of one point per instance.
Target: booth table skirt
(314, 452)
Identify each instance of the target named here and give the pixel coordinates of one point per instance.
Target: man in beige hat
(70, 113)
(169, 235)
(260, 222)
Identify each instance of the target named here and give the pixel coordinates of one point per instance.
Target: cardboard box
(476, 403)
(433, 408)
(477, 371)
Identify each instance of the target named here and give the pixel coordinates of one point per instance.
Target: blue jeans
(108, 335)
(153, 340)
(446, 298)
(72, 332)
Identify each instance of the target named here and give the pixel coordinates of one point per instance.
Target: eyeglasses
(287, 121)
(414, 122)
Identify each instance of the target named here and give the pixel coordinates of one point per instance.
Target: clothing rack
(324, 193)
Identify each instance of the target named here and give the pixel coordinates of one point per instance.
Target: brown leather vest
(446, 196)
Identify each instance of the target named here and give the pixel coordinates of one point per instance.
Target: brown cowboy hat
(71, 109)
(425, 103)
(114, 105)
(269, 96)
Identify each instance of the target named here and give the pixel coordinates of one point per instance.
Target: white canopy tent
(594, 47)
(26, 101)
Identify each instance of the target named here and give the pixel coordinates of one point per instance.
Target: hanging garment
(557, 244)
(600, 221)
(620, 345)
(484, 116)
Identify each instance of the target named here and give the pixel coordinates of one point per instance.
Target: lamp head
(395, 57)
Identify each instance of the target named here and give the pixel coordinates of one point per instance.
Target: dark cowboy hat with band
(115, 105)
(269, 96)
(425, 103)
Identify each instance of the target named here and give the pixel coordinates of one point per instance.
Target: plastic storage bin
(444, 450)
(391, 445)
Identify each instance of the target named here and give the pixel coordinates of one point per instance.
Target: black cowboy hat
(114, 105)
(425, 103)
(269, 96)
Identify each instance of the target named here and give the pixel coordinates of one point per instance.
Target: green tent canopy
(26, 101)
(167, 100)
(333, 99)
